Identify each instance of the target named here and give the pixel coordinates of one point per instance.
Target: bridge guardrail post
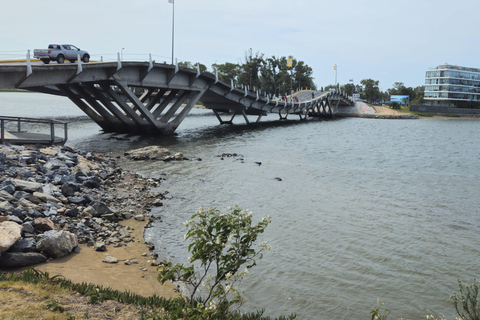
(79, 65)
(29, 64)
(65, 135)
(119, 62)
(52, 132)
(150, 62)
(2, 134)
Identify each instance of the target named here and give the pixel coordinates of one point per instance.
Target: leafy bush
(377, 313)
(394, 105)
(466, 302)
(221, 248)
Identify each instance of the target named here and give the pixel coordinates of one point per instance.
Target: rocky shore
(54, 198)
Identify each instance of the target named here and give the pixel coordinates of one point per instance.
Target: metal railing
(23, 137)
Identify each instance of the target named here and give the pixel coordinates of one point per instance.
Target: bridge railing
(17, 130)
(19, 56)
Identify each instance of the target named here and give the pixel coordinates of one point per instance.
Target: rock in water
(149, 153)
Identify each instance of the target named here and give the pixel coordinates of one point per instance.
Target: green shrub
(466, 302)
(394, 105)
(221, 248)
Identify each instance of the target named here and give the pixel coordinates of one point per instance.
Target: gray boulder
(77, 200)
(110, 259)
(72, 213)
(149, 153)
(27, 186)
(5, 206)
(54, 164)
(10, 232)
(27, 204)
(57, 244)
(10, 188)
(15, 219)
(27, 227)
(4, 195)
(69, 188)
(100, 246)
(24, 245)
(45, 197)
(21, 259)
(101, 209)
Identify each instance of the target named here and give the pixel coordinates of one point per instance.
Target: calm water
(366, 208)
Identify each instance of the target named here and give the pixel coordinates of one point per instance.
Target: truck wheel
(60, 59)
(46, 61)
(86, 58)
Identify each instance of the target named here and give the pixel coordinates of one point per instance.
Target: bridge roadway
(146, 97)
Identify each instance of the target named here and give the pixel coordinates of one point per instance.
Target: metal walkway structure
(153, 98)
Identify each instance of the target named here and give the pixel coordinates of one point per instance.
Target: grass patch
(33, 294)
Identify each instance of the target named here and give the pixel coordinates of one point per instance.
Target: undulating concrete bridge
(154, 98)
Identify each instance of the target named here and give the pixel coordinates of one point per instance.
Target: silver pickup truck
(60, 53)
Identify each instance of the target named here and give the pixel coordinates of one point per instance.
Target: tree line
(276, 76)
(271, 75)
(369, 91)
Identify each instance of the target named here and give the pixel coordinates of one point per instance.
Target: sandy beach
(87, 266)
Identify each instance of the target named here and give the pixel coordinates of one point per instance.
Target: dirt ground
(382, 111)
(385, 111)
(87, 266)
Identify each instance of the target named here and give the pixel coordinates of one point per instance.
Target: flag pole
(335, 68)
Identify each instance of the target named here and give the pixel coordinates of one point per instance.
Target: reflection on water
(366, 208)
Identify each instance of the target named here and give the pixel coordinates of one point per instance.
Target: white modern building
(453, 86)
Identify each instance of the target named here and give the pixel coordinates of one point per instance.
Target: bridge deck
(144, 97)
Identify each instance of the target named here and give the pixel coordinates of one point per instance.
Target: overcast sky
(389, 41)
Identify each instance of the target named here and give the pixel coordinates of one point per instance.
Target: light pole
(173, 28)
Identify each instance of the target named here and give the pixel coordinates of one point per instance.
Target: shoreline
(129, 196)
(391, 113)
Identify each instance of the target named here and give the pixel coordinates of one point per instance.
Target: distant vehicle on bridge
(60, 53)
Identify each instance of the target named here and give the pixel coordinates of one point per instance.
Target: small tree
(466, 302)
(222, 253)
